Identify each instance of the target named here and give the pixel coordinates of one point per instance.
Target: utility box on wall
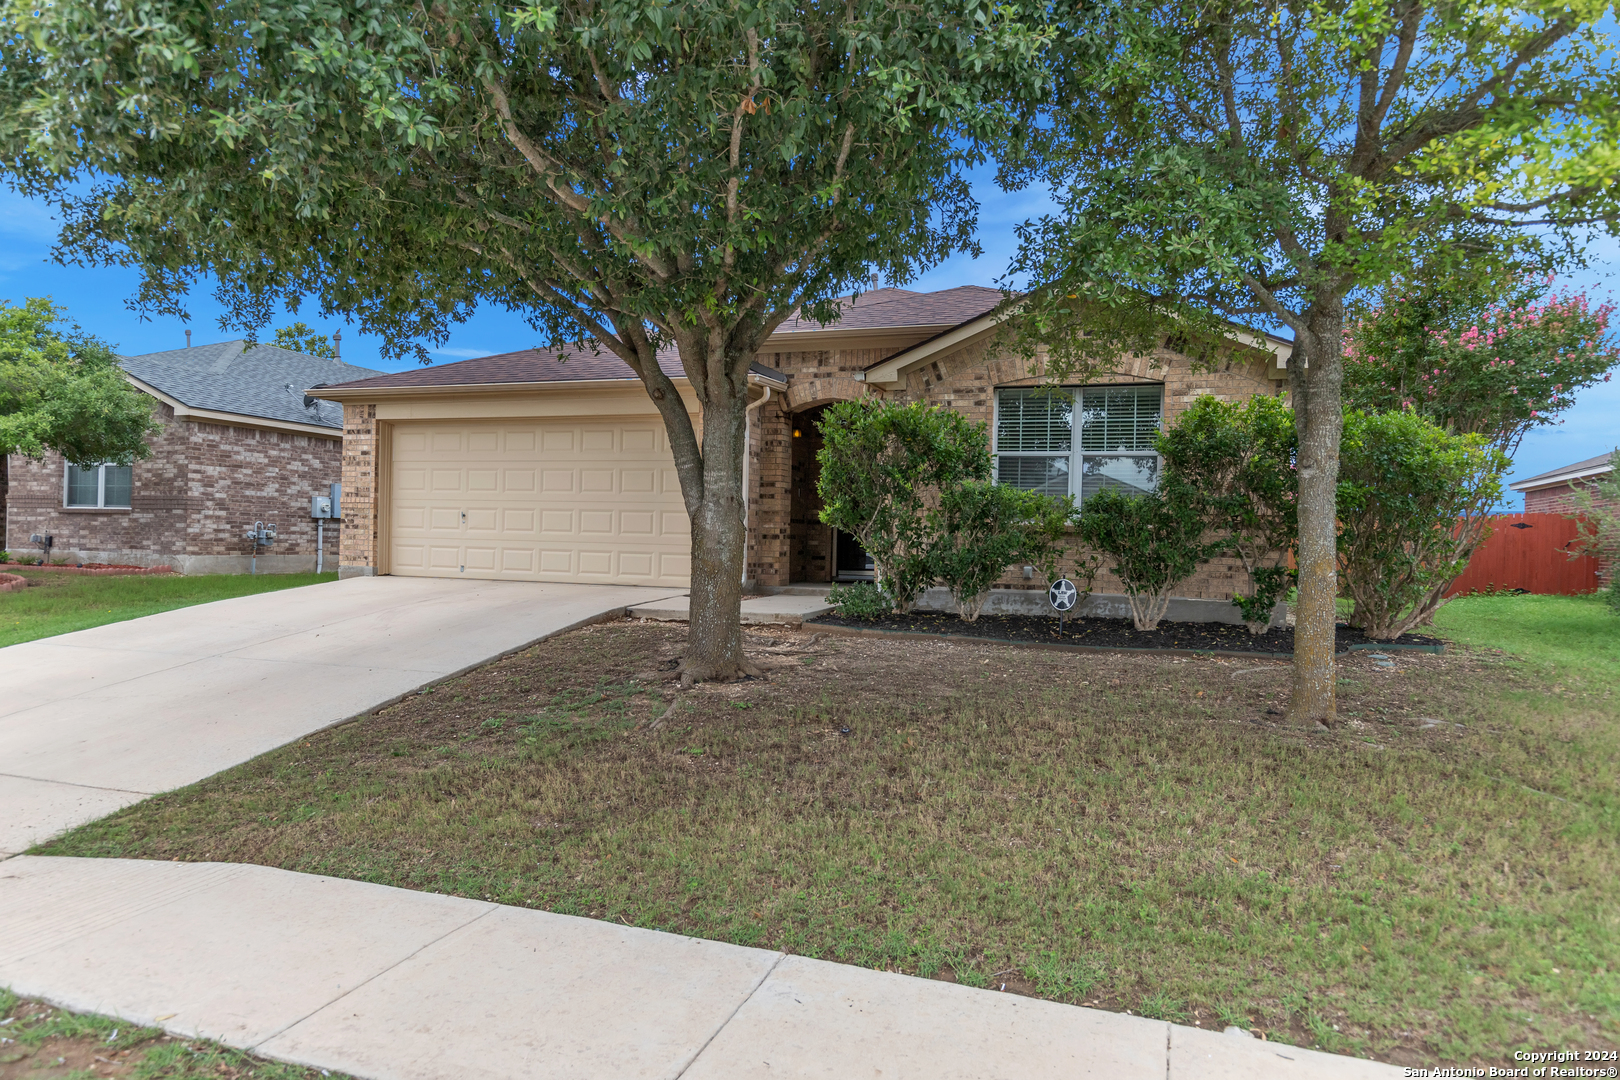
(320, 506)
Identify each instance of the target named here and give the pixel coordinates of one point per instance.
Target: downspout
(748, 452)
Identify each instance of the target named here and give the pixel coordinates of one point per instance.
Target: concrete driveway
(98, 719)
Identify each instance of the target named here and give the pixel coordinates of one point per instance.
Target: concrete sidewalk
(388, 983)
(98, 719)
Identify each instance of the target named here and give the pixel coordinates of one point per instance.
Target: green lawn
(62, 603)
(1431, 881)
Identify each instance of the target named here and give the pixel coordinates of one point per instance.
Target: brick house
(1549, 492)
(241, 442)
(540, 466)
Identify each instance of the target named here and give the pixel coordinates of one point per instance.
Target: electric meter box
(320, 506)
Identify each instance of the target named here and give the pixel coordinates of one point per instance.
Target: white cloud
(461, 354)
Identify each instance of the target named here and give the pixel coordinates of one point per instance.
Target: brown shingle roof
(886, 308)
(585, 363)
(581, 364)
(878, 309)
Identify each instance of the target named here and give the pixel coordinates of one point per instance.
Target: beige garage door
(538, 500)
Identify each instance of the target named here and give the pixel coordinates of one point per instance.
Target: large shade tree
(630, 175)
(1264, 161)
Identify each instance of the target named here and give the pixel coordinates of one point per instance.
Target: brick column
(770, 509)
(357, 550)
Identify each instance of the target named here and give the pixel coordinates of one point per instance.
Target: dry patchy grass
(1127, 831)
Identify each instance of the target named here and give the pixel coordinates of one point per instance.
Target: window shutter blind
(1034, 421)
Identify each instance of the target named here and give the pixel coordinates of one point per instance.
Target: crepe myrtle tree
(628, 175)
(1485, 360)
(1264, 162)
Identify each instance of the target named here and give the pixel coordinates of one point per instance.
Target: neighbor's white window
(1036, 445)
(98, 486)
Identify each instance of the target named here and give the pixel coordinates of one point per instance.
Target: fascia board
(888, 373)
(1537, 483)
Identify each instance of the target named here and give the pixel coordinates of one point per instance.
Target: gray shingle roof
(265, 381)
(1601, 463)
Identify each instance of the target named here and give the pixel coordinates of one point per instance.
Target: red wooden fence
(1529, 551)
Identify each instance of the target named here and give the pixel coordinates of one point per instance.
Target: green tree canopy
(62, 391)
(300, 337)
(1263, 161)
(626, 173)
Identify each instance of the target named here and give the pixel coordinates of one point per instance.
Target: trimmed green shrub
(1153, 542)
(860, 601)
(1413, 505)
(1239, 457)
(981, 528)
(883, 466)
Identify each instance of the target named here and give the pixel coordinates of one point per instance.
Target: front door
(853, 563)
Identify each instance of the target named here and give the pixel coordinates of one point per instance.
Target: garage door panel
(517, 520)
(583, 500)
(409, 557)
(596, 480)
(518, 560)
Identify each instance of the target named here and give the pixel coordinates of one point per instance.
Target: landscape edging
(111, 571)
(1056, 646)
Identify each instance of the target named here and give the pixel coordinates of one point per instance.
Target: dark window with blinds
(1036, 446)
(98, 486)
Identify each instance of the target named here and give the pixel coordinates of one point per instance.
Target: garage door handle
(464, 515)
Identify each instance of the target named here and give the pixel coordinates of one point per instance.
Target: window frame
(101, 487)
(1076, 454)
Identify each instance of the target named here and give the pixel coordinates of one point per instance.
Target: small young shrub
(981, 528)
(1153, 542)
(1413, 505)
(1240, 459)
(860, 601)
(883, 466)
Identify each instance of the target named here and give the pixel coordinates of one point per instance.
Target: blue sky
(95, 298)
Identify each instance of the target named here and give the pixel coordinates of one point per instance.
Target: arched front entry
(816, 551)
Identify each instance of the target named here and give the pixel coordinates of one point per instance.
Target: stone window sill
(96, 509)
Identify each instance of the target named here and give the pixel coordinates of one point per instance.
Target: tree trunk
(1315, 375)
(714, 643)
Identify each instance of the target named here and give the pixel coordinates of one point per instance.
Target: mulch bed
(96, 569)
(1117, 633)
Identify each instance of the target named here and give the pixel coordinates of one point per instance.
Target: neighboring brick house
(1550, 492)
(534, 465)
(240, 443)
